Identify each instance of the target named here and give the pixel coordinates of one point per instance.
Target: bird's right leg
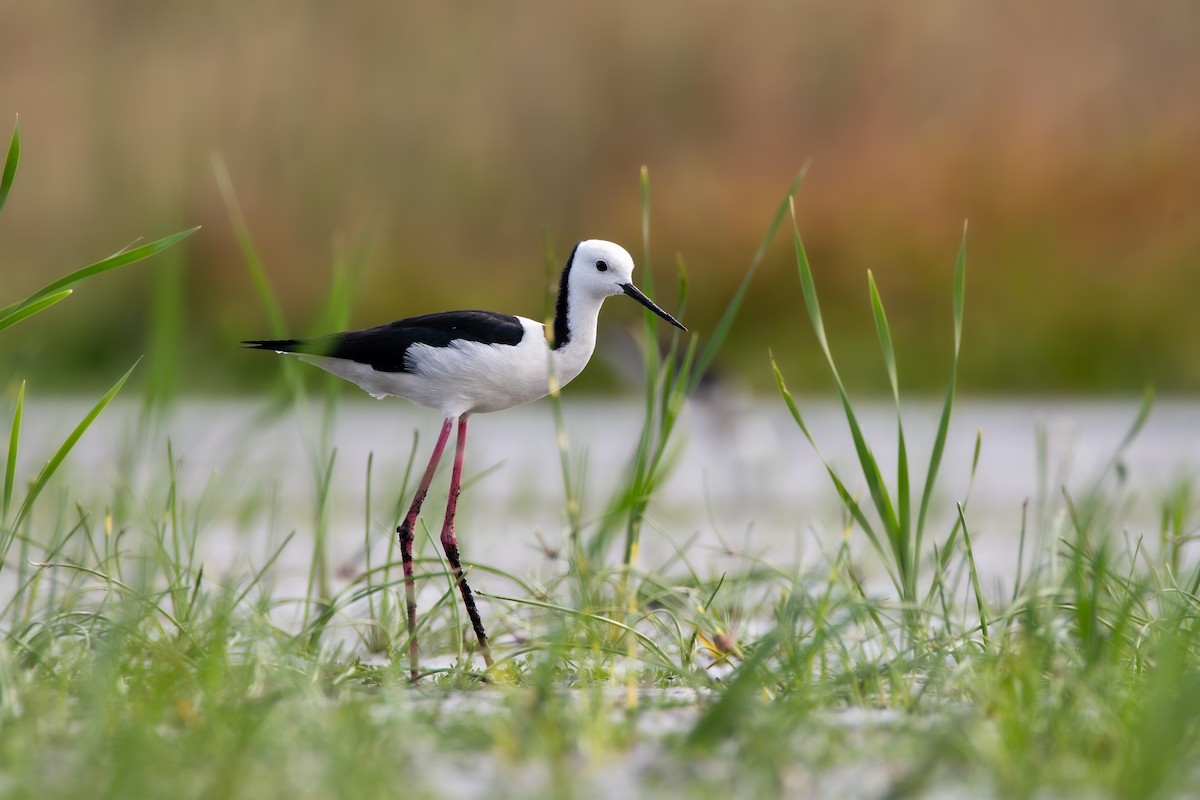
(450, 543)
(406, 543)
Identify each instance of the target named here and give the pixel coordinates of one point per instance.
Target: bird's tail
(278, 345)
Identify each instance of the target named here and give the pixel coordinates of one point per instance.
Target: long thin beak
(636, 294)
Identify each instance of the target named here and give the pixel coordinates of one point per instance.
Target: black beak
(636, 294)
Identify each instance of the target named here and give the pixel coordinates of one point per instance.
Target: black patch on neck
(562, 330)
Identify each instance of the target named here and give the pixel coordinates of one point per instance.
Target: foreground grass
(126, 670)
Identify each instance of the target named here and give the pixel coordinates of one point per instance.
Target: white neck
(575, 316)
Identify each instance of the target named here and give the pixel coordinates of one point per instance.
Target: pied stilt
(471, 362)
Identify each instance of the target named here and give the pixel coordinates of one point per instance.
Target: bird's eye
(602, 266)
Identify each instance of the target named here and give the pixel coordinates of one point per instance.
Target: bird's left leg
(450, 542)
(407, 537)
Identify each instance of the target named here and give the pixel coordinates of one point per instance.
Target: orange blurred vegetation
(454, 135)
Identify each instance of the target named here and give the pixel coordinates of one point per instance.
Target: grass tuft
(892, 534)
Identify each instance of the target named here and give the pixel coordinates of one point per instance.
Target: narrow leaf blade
(10, 164)
(885, 337)
(721, 331)
(258, 273)
(65, 448)
(939, 442)
(13, 440)
(27, 308)
(114, 261)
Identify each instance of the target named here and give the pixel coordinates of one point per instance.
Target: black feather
(562, 330)
(384, 347)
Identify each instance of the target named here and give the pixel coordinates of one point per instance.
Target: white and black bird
(471, 362)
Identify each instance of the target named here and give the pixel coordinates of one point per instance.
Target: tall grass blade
(647, 265)
(574, 506)
(13, 439)
(668, 382)
(725, 323)
(65, 448)
(165, 356)
(1017, 585)
(1139, 422)
(907, 556)
(645, 458)
(939, 441)
(114, 261)
(241, 231)
(885, 337)
(974, 576)
(851, 505)
(319, 578)
(29, 309)
(870, 467)
(10, 163)
(257, 576)
(293, 381)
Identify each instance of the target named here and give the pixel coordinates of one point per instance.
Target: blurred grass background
(451, 137)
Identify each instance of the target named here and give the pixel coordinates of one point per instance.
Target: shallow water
(744, 479)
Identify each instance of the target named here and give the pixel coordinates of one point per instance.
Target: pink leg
(450, 542)
(406, 543)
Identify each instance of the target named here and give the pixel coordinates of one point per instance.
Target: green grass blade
(13, 439)
(114, 261)
(348, 266)
(165, 359)
(872, 474)
(241, 231)
(28, 309)
(1138, 423)
(10, 163)
(885, 337)
(721, 331)
(574, 506)
(939, 441)
(960, 279)
(682, 295)
(293, 381)
(903, 500)
(974, 575)
(257, 576)
(844, 494)
(644, 460)
(648, 272)
(65, 448)
(809, 288)
(870, 467)
(910, 555)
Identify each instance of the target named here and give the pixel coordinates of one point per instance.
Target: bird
(462, 363)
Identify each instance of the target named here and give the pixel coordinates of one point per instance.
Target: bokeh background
(452, 141)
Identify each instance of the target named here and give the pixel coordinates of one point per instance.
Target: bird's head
(603, 269)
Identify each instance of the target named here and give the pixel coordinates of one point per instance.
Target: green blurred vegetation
(450, 138)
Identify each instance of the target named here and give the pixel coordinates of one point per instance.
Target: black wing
(384, 347)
